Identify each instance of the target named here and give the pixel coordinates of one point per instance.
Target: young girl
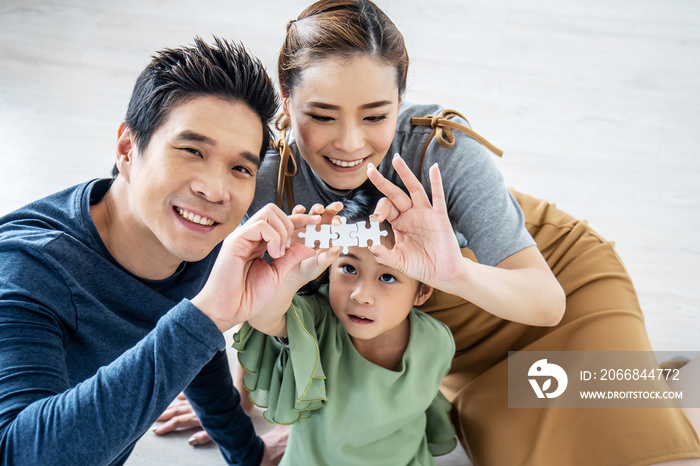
(356, 369)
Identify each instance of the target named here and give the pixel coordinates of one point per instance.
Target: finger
(299, 221)
(273, 216)
(331, 211)
(327, 257)
(385, 256)
(176, 423)
(279, 220)
(181, 396)
(282, 223)
(298, 209)
(399, 198)
(436, 187)
(199, 438)
(385, 210)
(415, 188)
(262, 232)
(293, 256)
(316, 209)
(312, 267)
(173, 411)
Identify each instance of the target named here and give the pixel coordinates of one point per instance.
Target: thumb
(327, 257)
(384, 255)
(291, 258)
(314, 266)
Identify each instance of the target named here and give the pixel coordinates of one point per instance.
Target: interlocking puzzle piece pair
(343, 235)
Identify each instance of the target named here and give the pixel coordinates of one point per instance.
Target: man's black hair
(175, 76)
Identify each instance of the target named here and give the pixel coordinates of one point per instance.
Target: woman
(342, 72)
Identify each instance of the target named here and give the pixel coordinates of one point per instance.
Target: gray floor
(595, 104)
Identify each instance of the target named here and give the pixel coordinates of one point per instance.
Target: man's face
(193, 182)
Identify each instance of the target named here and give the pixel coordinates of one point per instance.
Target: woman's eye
(322, 119)
(376, 119)
(387, 278)
(348, 269)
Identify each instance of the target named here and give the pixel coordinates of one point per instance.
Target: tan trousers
(602, 313)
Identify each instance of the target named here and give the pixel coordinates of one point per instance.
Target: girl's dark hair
(340, 28)
(359, 203)
(175, 76)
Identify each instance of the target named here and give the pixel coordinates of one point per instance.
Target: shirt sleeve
(285, 376)
(479, 205)
(218, 406)
(45, 420)
(484, 214)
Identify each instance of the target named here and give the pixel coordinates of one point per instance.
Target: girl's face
(372, 300)
(344, 113)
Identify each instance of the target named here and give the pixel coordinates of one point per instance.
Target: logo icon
(547, 371)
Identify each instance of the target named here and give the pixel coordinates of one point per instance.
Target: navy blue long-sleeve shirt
(90, 354)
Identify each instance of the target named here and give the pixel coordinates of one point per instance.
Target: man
(114, 294)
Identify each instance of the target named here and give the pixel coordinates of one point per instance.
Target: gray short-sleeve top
(484, 215)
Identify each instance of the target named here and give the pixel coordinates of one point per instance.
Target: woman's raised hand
(426, 248)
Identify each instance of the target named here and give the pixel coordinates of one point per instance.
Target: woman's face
(344, 113)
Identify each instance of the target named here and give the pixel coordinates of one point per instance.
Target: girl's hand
(426, 248)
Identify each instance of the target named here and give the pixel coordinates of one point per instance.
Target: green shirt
(351, 411)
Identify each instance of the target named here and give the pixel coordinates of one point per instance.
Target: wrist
(208, 308)
(458, 283)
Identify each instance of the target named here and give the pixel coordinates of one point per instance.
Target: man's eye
(243, 170)
(193, 151)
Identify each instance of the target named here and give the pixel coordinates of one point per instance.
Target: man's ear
(424, 292)
(126, 150)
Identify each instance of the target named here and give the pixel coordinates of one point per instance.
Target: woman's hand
(426, 248)
(520, 288)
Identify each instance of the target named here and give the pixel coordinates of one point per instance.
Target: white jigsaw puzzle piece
(366, 234)
(343, 235)
(345, 232)
(323, 236)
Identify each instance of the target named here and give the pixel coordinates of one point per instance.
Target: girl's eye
(376, 119)
(387, 278)
(348, 269)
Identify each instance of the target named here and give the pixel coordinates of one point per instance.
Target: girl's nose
(362, 293)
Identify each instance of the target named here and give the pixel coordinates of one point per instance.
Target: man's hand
(275, 443)
(180, 416)
(241, 283)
